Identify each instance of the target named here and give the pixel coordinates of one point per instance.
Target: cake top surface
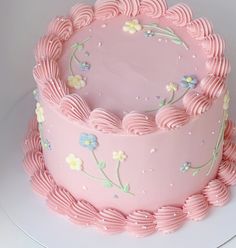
(131, 66)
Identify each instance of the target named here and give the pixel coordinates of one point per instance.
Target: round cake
(131, 129)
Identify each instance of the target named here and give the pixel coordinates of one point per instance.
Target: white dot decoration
(153, 150)
(194, 56)
(84, 187)
(143, 171)
(180, 57)
(189, 133)
(219, 121)
(213, 132)
(99, 44)
(103, 25)
(171, 185)
(160, 40)
(137, 97)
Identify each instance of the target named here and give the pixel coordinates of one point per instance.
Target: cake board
(30, 214)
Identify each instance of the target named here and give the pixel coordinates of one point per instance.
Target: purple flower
(189, 82)
(84, 66)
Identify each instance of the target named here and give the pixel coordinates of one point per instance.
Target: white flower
(171, 87)
(40, 113)
(132, 26)
(119, 156)
(76, 82)
(74, 162)
(226, 101)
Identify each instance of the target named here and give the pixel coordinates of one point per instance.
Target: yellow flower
(76, 82)
(119, 156)
(172, 87)
(226, 101)
(40, 113)
(74, 162)
(132, 26)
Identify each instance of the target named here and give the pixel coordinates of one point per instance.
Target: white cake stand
(31, 215)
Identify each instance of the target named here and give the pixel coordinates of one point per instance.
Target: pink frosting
(32, 142)
(42, 182)
(106, 9)
(104, 121)
(33, 124)
(44, 71)
(138, 124)
(81, 15)
(61, 27)
(141, 223)
(171, 117)
(229, 130)
(55, 90)
(75, 108)
(213, 45)
(200, 28)
(60, 200)
(153, 8)
(33, 161)
(129, 8)
(169, 219)
(218, 66)
(217, 193)
(196, 103)
(82, 213)
(180, 14)
(48, 47)
(213, 86)
(227, 173)
(196, 207)
(229, 151)
(111, 221)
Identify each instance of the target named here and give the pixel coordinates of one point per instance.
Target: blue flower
(189, 82)
(84, 66)
(185, 167)
(89, 141)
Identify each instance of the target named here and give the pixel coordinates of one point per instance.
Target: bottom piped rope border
(141, 223)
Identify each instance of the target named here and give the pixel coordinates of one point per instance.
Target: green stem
(71, 60)
(155, 26)
(172, 97)
(179, 98)
(118, 174)
(97, 178)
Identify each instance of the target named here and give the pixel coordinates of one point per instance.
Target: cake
(131, 131)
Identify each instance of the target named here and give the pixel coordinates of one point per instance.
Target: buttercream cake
(131, 130)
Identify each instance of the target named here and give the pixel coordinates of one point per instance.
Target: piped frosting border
(56, 92)
(139, 222)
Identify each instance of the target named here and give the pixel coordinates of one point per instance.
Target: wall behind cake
(23, 22)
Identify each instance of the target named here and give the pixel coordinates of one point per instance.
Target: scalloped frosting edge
(140, 223)
(49, 49)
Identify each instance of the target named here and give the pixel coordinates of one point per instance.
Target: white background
(22, 22)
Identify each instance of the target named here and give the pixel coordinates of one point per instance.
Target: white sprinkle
(180, 57)
(143, 171)
(194, 56)
(171, 185)
(104, 25)
(160, 40)
(213, 132)
(175, 214)
(137, 97)
(146, 117)
(189, 133)
(153, 150)
(151, 170)
(84, 188)
(219, 121)
(99, 44)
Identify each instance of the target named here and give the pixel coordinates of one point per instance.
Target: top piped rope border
(196, 102)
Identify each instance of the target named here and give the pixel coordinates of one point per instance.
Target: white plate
(29, 212)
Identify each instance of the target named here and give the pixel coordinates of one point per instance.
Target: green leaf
(101, 165)
(126, 188)
(196, 172)
(177, 41)
(162, 103)
(107, 183)
(79, 46)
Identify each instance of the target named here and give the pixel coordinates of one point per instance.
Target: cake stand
(30, 214)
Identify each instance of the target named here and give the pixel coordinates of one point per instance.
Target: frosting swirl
(229, 151)
(129, 8)
(111, 221)
(81, 15)
(171, 117)
(33, 124)
(32, 142)
(153, 8)
(227, 173)
(213, 86)
(104, 121)
(213, 45)
(106, 9)
(42, 182)
(74, 107)
(141, 223)
(61, 27)
(138, 124)
(60, 200)
(44, 71)
(54, 91)
(48, 47)
(200, 28)
(196, 207)
(217, 193)
(196, 103)
(229, 130)
(180, 14)
(169, 219)
(82, 213)
(33, 161)
(218, 66)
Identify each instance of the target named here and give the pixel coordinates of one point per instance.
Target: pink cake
(131, 129)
